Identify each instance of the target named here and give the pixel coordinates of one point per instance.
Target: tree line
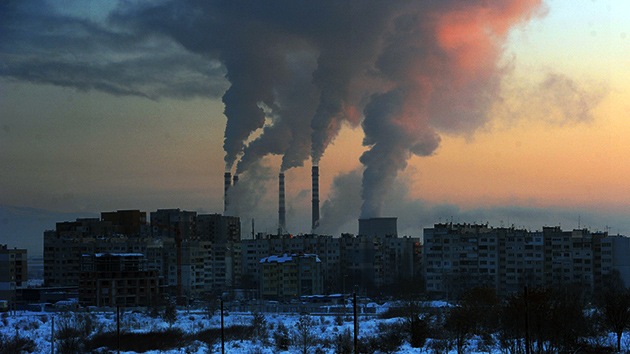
(536, 320)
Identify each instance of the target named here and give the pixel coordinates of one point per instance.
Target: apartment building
(117, 279)
(289, 276)
(372, 262)
(131, 223)
(13, 271)
(461, 256)
(218, 228)
(200, 254)
(173, 223)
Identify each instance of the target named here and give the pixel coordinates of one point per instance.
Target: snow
(287, 258)
(36, 325)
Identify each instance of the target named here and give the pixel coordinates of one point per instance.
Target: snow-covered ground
(38, 327)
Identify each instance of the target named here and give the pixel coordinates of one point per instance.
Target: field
(199, 331)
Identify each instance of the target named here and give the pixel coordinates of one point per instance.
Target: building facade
(117, 279)
(13, 271)
(202, 255)
(132, 223)
(461, 256)
(289, 276)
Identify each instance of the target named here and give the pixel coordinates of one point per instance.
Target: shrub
(343, 342)
(281, 337)
(31, 325)
(438, 346)
(420, 329)
(339, 319)
(170, 313)
(168, 339)
(16, 344)
(389, 338)
(213, 335)
(69, 335)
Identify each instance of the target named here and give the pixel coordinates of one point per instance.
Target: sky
(506, 112)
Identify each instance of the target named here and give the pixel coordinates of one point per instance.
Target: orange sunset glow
(517, 105)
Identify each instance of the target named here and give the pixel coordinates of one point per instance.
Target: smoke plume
(441, 62)
(405, 70)
(412, 68)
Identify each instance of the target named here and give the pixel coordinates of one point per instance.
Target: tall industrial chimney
(281, 210)
(226, 186)
(235, 180)
(315, 218)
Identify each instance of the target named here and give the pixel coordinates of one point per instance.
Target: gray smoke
(252, 188)
(441, 64)
(297, 70)
(340, 211)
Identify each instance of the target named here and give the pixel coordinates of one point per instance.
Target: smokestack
(235, 180)
(226, 186)
(281, 209)
(315, 218)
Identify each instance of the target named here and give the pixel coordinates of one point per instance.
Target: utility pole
(525, 293)
(118, 328)
(222, 330)
(52, 335)
(356, 324)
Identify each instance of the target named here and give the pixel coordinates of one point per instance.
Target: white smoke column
(442, 65)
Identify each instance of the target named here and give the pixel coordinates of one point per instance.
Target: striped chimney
(315, 218)
(281, 209)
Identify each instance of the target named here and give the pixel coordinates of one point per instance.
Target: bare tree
(614, 306)
(305, 339)
(476, 313)
(460, 325)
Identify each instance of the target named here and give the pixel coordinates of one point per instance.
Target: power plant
(231, 181)
(375, 226)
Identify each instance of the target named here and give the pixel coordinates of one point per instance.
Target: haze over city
(507, 112)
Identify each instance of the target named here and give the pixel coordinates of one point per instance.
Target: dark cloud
(41, 46)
